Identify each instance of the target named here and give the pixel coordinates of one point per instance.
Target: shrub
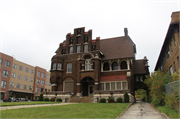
(41, 97)
(102, 100)
(46, 99)
(111, 100)
(52, 100)
(126, 97)
(119, 100)
(59, 100)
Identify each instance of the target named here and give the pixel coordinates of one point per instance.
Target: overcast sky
(32, 30)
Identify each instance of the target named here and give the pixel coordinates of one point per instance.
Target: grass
(24, 103)
(168, 111)
(81, 110)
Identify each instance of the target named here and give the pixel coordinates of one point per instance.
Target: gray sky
(31, 30)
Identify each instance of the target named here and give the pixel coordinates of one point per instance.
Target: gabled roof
(118, 47)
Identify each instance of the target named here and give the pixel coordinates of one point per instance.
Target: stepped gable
(118, 47)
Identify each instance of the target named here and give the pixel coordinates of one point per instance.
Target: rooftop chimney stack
(126, 32)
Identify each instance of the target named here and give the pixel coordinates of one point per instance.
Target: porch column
(128, 64)
(96, 85)
(101, 66)
(110, 65)
(78, 89)
(119, 67)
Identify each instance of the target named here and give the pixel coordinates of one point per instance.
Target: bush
(41, 97)
(59, 100)
(102, 100)
(52, 100)
(46, 99)
(111, 100)
(119, 100)
(126, 97)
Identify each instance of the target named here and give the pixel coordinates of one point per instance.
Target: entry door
(90, 90)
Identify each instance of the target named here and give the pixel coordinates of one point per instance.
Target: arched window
(114, 66)
(123, 65)
(106, 67)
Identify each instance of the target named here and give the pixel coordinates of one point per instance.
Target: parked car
(10, 99)
(20, 99)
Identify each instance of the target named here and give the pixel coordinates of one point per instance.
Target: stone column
(110, 65)
(78, 89)
(101, 66)
(119, 67)
(128, 64)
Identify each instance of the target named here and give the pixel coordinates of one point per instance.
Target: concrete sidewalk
(149, 112)
(28, 106)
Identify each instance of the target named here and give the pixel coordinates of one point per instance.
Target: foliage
(59, 100)
(126, 97)
(46, 99)
(156, 83)
(171, 113)
(80, 110)
(111, 100)
(52, 100)
(141, 93)
(119, 100)
(41, 97)
(102, 100)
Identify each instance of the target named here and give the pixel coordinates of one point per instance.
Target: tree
(41, 97)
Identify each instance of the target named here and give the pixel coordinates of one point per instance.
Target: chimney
(126, 32)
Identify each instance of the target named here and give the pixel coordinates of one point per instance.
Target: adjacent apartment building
(95, 67)
(21, 80)
(169, 56)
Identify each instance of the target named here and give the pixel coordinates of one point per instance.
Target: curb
(124, 110)
(160, 111)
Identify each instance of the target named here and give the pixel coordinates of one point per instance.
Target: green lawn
(81, 110)
(168, 111)
(24, 103)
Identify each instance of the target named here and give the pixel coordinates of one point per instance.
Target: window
(78, 49)
(25, 78)
(45, 90)
(69, 67)
(87, 64)
(18, 85)
(46, 76)
(46, 83)
(137, 78)
(19, 76)
(39, 73)
(49, 84)
(11, 84)
(59, 66)
(43, 75)
(114, 66)
(102, 86)
(171, 70)
(70, 50)
(1, 61)
(5, 73)
(85, 48)
(174, 66)
(38, 81)
(37, 89)
(141, 78)
(30, 87)
(42, 82)
(168, 54)
(107, 86)
(13, 75)
(124, 85)
(54, 65)
(123, 65)
(14, 66)
(112, 85)
(7, 63)
(3, 84)
(31, 79)
(118, 85)
(174, 41)
(25, 87)
(42, 89)
(32, 71)
(106, 67)
(20, 68)
(27, 70)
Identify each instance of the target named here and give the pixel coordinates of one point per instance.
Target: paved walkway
(149, 112)
(27, 106)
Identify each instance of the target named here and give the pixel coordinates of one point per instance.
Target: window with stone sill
(19, 76)
(5, 73)
(85, 48)
(37, 89)
(18, 85)
(59, 66)
(3, 84)
(78, 49)
(25, 78)
(7, 64)
(11, 84)
(25, 87)
(31, 79)
(39, 73)
(30, 87)
(13, 75)
(70, 50)
(43, 75)
(88, 64)
(32, 71)
(42, 82)
(27, 70)
(54, 66)
(69, 68)
(38, 81)
(20, 68)
(14, 66)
